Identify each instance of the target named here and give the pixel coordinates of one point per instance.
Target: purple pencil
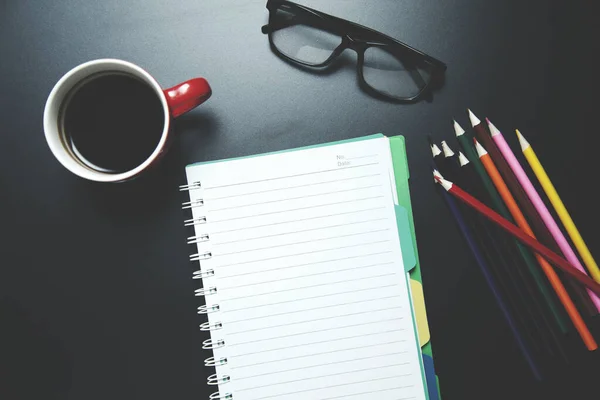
(485, 270)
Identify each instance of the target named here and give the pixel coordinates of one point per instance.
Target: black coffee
(114, 122)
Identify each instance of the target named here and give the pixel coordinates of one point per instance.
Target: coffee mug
(109, 120)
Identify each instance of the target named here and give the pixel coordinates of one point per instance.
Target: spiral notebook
(304, 258)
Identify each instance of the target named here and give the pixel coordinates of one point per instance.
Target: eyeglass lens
(389, 74)
(300, 38)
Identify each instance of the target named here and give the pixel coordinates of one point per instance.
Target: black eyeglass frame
(358, 38)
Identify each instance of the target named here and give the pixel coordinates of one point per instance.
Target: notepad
(306, 293)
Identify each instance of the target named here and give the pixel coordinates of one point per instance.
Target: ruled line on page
(219, 243)
(319, 342)
(317, 331)
(296, 209)
(318, 354)
(300, 254)
(216, 254)
(311, 297)
(292, 187)
(305, 276)
(299, 220)
(374, 391)
(309, 309)
(331, 386)
(322, 365)
(292, 198)
(291, 176)
(323, 376)
(312, 286)
(359, 157)
(286, 299)
(305, 264)
(328, 318)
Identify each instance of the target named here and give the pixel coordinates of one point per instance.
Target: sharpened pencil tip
(447, 185)
(480, 150)
(458, 129)
(430, 140)
(493, 130)
(436, 175)
(435, 150)
(474, 120)
(462, 159)
(524, 143)
(447, 150)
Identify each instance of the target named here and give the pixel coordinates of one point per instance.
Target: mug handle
(187, 96)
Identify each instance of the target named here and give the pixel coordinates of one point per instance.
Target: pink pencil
(539, 204)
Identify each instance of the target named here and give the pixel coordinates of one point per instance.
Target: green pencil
(466, 144)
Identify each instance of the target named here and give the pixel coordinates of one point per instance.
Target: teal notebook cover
(406, 229)
(408, 243)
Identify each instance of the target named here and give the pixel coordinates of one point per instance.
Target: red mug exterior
(182, 98)
(187, 96)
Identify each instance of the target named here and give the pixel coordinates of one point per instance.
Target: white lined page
(308, 269)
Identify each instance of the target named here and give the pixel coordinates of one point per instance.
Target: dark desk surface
(96, 298)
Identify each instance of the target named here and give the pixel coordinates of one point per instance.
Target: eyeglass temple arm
(281, 24)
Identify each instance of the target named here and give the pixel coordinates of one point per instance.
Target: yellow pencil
(560, 208)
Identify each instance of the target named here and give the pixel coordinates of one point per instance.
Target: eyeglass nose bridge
(348, 42)
(359, 47)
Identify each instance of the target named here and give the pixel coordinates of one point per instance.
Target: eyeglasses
(386, 67)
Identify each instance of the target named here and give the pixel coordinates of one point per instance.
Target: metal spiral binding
(205, 291)
(194, 221)
(214, 379)
(201, 256)
(207, 326)
(191, 186)
(199, 274)
(219, 396)
(208, 309)
(198, 239)
(212, 362)
(192, 204)
(212, 343)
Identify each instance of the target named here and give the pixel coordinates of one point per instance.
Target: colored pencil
(469, 150)
(474, 183)
(544, 236)
(462, 159)
(539, 204)
(519, 283)
(490, 282)
(501, 267)
(435, 150)
(450, 158)
(518, 216)
(559, 207)
(492, 193)
(536, 246)
(483, 136)
(438, 156)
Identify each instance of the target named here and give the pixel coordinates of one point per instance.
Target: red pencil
(536, 246)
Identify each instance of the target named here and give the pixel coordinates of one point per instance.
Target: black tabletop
(96, 295)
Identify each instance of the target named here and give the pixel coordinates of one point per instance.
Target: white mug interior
(58, 95)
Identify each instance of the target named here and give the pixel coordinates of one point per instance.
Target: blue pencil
(490, 281)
